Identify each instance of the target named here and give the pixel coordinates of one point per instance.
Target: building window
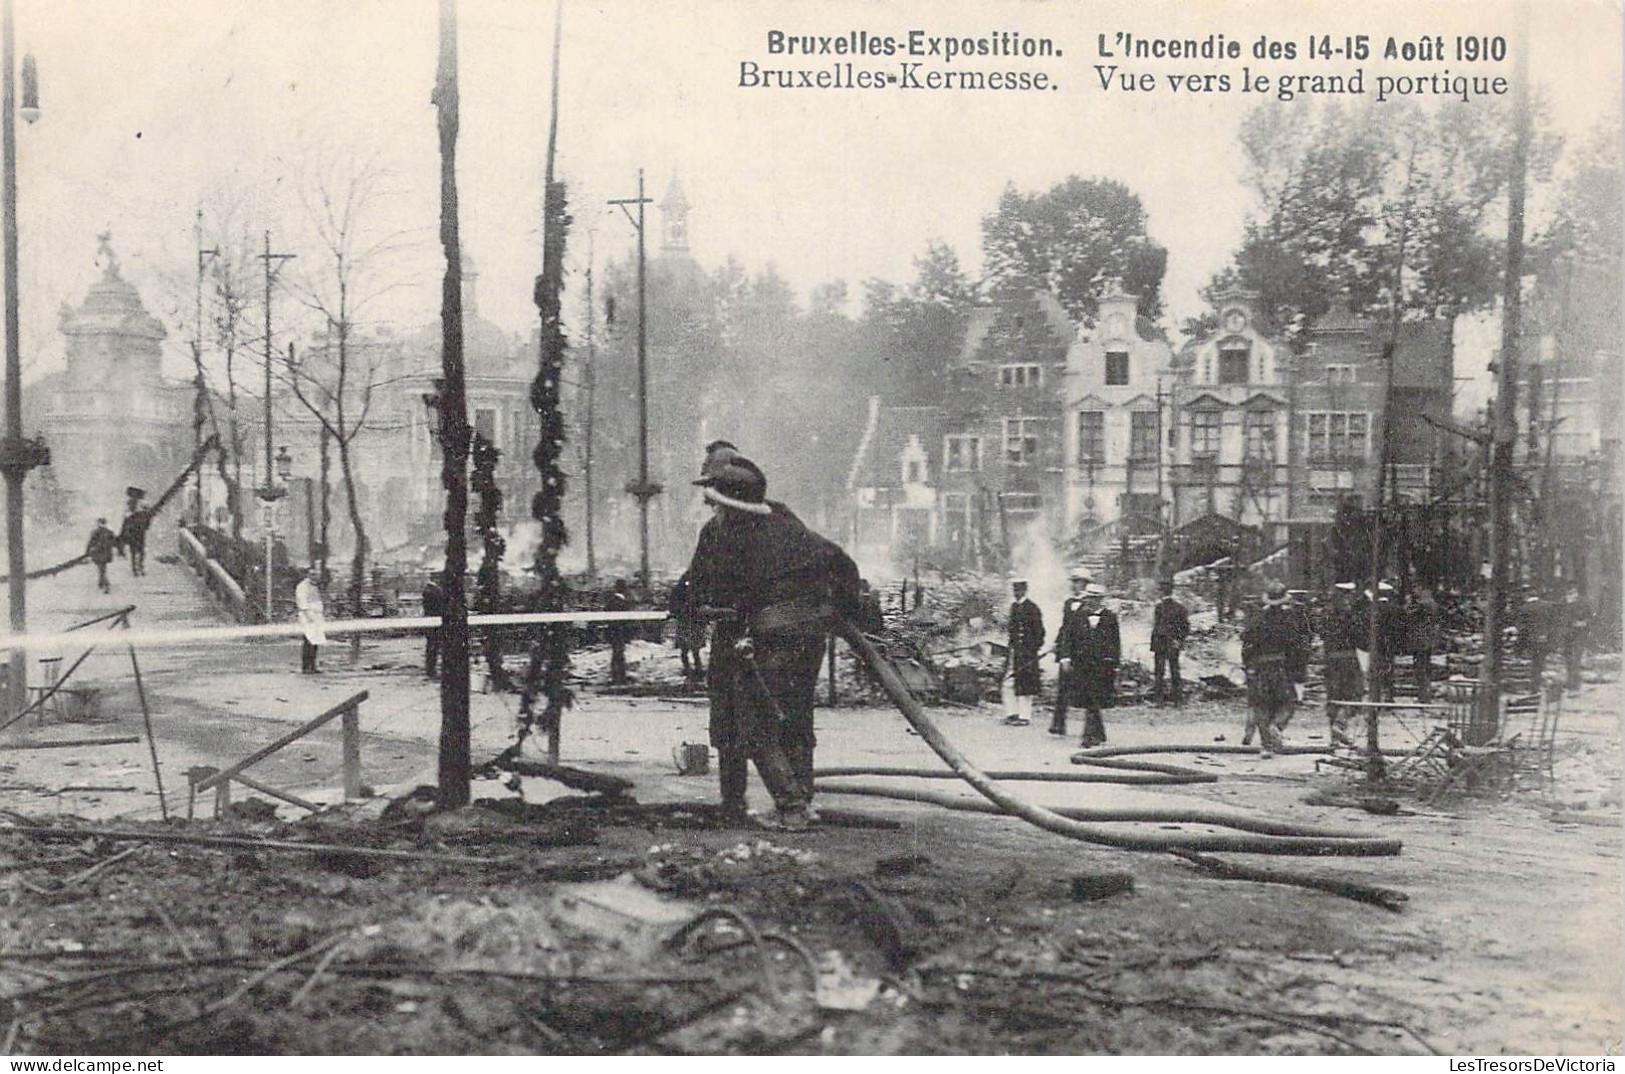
(914, 471)
(956, 519)
(1205, 432)
(1021, 376)
(1260, 430)
(963, 454)
(1117, 367)
(1142, 441)
(1022, 503)
(1021, 441)
(1091, 436)
(485, 424)
(1340, 374)
(1233, 365)
(1338, 438)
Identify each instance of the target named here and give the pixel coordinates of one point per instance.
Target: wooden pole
(454, 769)
(1504, 428)
(152, 743)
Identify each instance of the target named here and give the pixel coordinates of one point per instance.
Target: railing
(204, 778)
(215, 577)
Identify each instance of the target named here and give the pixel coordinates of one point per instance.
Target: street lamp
(17, 454)
(269, 493)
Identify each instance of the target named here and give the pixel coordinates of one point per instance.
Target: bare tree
(338, 382)
(230, 283)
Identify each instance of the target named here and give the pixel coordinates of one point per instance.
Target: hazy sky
(150, 107)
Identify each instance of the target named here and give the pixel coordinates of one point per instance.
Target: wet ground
(952, 932)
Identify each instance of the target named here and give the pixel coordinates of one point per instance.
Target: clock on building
(1235, 320)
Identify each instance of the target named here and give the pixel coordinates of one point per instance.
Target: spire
(674, 209)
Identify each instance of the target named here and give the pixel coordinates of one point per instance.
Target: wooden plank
(292, 736)
(255, 784)
(59, 744)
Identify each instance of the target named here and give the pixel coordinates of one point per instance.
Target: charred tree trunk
(550, 650)
(454, 744)
(488, 582)
(358, 557)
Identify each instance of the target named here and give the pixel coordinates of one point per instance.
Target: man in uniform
(100, 550)
(618, 633)
(1090, 649)
(1063, 686)
(1170, 626)
(434, 603)
(1026, 639)
(1345, 636)
(1274, 650)
(773, 585)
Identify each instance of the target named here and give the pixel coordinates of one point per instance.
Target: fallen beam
(1387, 898)
(229, 842)
(67, 743)
(1134, 777)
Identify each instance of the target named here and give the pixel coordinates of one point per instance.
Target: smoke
(1034, 557)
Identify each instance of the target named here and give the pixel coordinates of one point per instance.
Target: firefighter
(773, 586)
(1274, 650)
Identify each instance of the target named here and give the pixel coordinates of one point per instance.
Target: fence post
(352, 751)
(222, 798)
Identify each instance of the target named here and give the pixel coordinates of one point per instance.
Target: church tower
(674, 211)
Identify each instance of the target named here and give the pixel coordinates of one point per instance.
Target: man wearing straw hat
(1274, 650)
(1090, 650)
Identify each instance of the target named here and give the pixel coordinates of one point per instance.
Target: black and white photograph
(758, 527)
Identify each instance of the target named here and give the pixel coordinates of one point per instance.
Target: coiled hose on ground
(1050, 820)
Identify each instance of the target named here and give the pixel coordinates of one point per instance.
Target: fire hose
(1051, 821)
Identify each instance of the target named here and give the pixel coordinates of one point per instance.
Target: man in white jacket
(307, 597)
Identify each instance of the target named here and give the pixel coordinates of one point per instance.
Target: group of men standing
(131, 539)
(1088, 649)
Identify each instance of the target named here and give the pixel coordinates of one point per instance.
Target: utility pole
(200, 400)
(1504, 428)
(269, 492)
(17, 455)
(589, 376)
(644, 489)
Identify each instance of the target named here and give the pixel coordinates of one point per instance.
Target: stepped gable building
(1117, 373)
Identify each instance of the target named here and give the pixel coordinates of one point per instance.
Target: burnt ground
(893, 928)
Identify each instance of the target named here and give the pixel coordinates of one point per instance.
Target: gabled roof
(879, 464)
(981, 320)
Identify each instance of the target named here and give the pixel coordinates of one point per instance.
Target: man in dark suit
(1170, 626)
(619, 633)
(434, 604)
(1090, 652)
(1063, 687)
(1026, 639)
(1275, 652)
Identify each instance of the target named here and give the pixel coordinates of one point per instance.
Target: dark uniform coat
(1170, 626)
(133, 533)
(1026, 639)
(101, 545)
(1095, 646)
(1275, 652)
(782, 581)
(1345, 635)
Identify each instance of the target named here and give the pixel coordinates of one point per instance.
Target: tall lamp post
(17, 455)
(269, 493)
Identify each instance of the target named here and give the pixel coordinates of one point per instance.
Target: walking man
(1423, 630)
(1274, 650)
(132, 534)
(1026, 639)
(434, 604)
(1091, 650)
(1063, 686)
(100, 550)
(1170, 626)
(1576, 626)
(307, 598)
